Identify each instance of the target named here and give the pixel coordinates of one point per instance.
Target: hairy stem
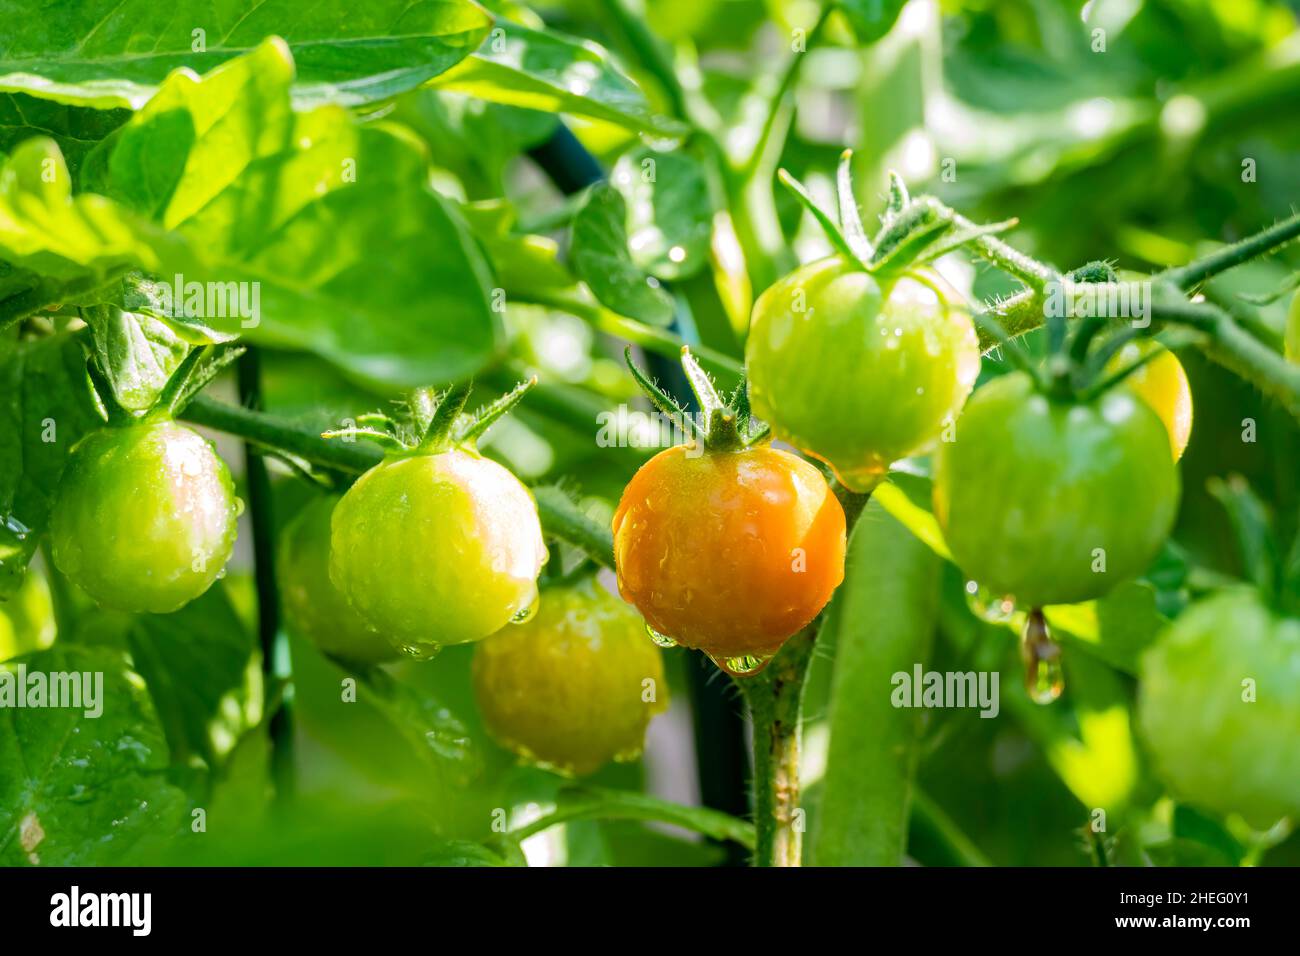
(776, 704)
(1221, 260)
(775, 697)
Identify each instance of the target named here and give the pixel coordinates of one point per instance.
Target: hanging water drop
(420, 652)
(528, 611)
(663, 640)
(744, 665)
(1044, 676)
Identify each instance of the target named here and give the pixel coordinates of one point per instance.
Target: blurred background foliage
(1126, 144)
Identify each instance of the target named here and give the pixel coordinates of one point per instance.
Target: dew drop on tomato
(528, 611)
(745, 665)
(1044, 676)
(663, 640)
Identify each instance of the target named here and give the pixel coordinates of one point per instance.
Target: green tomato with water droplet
(576, 686)
(1054, 501)
(145, 516)
(860, 371)
(437, 549)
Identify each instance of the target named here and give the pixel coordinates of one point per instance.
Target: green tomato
(1054, 502)
(1293, 330)
(27, 618)
(576, 686)
(437, 549)
(145, 516)
(857, 372)
(1219, 707)
(313, 606)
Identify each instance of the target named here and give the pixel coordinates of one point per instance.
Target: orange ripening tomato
(729, 552)
(1162, 384)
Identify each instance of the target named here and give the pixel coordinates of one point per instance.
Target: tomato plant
(861, 346)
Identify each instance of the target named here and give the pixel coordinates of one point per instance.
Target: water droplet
(1044, 676)
(239, 507)
(528, 611)
(663, 640)
(745, 665)
(420, 652)
(988, 606)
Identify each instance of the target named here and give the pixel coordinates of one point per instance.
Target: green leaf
(870, 19)
(203, 670)
(76, 129)
(547, 71)
(520, 261)
(45, 407)
(883, 620)
(136, 352)
(83, 239)
(600, 257)
(324, 228)
(670, 211)
(78, 790)
(906, 497)
(106, 53)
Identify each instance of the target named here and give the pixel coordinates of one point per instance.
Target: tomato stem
(775, 698)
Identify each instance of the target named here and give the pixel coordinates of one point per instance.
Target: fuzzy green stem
(775, 698)
(1221, 260)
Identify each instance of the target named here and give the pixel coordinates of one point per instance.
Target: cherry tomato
(1054, 502)
(856, 372)
(576, 686)
(435, 549)
(1162, 384)
(1219, 707)
(144, 519)
(728, 552)
(27, 618)
(313, 606)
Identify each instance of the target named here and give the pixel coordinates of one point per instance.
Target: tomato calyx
(430, 422)
(723, 424)
(913, 231)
